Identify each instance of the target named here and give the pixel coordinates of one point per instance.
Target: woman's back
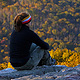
(19, 45)
(21, 40)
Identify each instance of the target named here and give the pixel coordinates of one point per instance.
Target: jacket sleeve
(38, 41)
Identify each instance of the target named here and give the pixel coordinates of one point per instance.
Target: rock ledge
(53, 72)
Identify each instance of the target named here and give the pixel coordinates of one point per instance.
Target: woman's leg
(46, 60)
(38, 57)
(36, 54)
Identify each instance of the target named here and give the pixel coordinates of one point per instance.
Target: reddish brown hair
(18, 20)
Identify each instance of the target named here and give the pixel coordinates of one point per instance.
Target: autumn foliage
(55, 21)
(66, 57)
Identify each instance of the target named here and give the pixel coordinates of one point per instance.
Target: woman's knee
(33, 46)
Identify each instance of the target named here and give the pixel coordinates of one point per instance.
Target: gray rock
(53, 72)
(7, 70)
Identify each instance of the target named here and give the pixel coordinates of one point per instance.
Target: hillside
(55, 21)
(5, 3)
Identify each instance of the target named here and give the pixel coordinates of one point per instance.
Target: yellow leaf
(9, 65)
(2, 50)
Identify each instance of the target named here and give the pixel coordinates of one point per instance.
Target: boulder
(53, 72)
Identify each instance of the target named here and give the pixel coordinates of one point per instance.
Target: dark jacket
(20, 43)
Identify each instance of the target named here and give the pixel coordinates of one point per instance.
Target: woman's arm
(38, 41)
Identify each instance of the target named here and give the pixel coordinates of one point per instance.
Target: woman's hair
(19, 20)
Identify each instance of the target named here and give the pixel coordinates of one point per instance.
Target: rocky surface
(53, 72)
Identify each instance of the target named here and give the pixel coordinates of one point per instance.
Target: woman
(27, 50)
